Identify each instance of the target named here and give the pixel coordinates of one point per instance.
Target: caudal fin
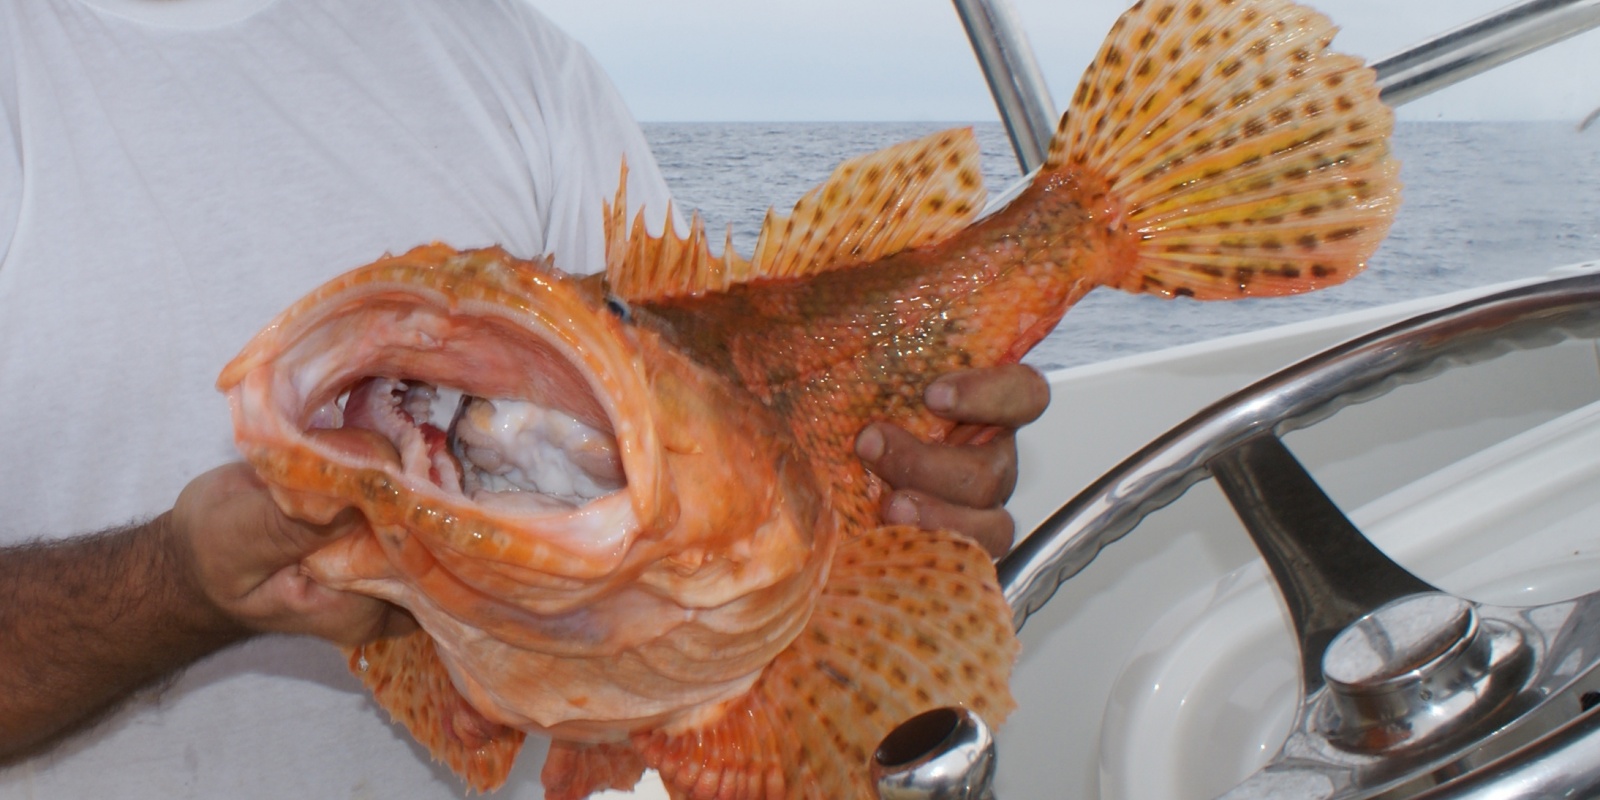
(1249, 159)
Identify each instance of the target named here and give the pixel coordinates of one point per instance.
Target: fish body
(625, 509)
(859, 343)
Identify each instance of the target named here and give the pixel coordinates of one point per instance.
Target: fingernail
(869, 445)
(901, 511)
(940, 397)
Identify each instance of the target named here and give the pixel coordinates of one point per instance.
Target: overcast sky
(848, 60)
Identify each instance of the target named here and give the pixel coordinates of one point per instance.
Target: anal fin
(574, 770)
(409, 681)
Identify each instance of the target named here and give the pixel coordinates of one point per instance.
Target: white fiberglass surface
(1077, 646)
(650, 788)
(1207, 694)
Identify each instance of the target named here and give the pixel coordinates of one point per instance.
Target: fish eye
(619, 307)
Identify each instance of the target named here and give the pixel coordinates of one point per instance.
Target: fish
(625, 508)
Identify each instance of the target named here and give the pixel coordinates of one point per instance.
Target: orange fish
(625, 508)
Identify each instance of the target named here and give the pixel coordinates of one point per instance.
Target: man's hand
(87, 621)
(246, 559)
(957, 485)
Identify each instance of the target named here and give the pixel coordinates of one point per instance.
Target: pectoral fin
(909, 621)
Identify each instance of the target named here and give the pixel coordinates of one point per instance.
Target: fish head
(597, 532)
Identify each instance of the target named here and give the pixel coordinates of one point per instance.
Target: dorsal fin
(908, 195)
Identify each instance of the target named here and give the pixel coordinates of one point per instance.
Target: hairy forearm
(86, 621)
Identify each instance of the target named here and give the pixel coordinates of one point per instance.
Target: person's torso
(169, 184)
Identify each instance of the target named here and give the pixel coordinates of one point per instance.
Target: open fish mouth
(480, 389)
(507, 453)
(595, 535)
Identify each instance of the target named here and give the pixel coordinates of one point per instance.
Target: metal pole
(1014, 79)
(1459, 54)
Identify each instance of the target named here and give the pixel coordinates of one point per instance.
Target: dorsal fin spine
(909, 195)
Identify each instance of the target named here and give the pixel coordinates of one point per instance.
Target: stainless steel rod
(1356, 371)
(1014, 79)
(1456, 55)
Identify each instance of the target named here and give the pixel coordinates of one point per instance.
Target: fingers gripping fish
(625, 509)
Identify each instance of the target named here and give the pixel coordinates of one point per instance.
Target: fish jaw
(634, 609)
(478, 320)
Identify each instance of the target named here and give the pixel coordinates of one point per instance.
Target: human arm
(955, 485)
(84, 622)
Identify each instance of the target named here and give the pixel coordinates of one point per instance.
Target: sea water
(1483, 202)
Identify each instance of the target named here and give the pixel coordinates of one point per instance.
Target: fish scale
(734, 616)
(860, 343)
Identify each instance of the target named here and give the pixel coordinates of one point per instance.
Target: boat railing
(1357, 371)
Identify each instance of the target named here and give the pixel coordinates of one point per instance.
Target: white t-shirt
(172, 174)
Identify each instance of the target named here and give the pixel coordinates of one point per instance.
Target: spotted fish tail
(1246, 158)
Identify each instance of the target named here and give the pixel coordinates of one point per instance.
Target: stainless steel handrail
(1359, 370)
(1517, 677)
(1564, 764)
(1018, 87)
(1483, 44)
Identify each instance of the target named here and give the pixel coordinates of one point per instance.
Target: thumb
(290, 601)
